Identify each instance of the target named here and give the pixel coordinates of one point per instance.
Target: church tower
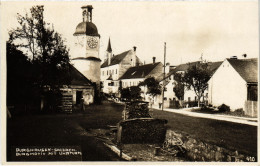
(87, 42)
(109, 52)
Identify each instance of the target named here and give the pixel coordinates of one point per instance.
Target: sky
(216, 29)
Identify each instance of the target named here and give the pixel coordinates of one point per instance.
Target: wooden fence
(251, 108)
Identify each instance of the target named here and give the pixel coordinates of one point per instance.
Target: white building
(134, 75)
(189, 95)
(234, 83)
(115, 66)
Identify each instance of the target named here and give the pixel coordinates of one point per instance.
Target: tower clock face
(92, 42)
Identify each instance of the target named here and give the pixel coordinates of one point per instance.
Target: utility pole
(163, 75)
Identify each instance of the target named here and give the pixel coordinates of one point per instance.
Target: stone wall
(197, 150)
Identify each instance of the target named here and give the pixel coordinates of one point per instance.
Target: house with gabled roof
(80, 87)
(169, 83)
(235, 83)
(115, 66)
(134, 75)
(73, 93)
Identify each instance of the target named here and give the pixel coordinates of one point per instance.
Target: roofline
(112, 57)
(109, 66)
(153, 69)
(141, 66)
(235, 69)
(91, 83)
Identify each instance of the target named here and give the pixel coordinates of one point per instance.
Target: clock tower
(86, 44)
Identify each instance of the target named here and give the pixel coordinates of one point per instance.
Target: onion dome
(86, 28)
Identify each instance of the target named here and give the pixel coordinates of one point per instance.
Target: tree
(46, 51)
(18, 76)
(153, 86)
(178, 88)
(44, 46)
(196, 78)
(132, 93)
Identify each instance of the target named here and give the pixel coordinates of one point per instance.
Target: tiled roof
(213, 66)
(139, 71)
(247, 68)
(115, 59)
(77, 78)
(184, 67)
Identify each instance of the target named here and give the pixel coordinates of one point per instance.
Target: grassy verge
(229, 135)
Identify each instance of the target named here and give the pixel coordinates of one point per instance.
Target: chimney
(154, 60)
(233, 57)
(87, 13)
(134, 57)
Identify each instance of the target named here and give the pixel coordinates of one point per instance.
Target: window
(107, 72)
(111, 84)
(112, 71)
(252, 92)
(116, 71)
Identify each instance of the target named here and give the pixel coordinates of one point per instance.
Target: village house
(235, 83)
(135, 75)
(80, 89)
(189, 97)
(115, 67)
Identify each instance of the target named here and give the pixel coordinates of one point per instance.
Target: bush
(224, 108)
(191, 103)
(239, 112)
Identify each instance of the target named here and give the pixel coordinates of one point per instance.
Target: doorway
(78, 97)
